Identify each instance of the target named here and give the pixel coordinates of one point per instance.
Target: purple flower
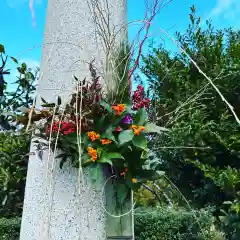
(127, 120)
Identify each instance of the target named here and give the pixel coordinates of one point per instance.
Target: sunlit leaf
(140, 117)
(24, 67)
(140, 141)
(152, 128)
(125, 136)
(107, 157)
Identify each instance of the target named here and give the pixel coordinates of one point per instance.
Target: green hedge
(171, 224)
(14, 150)
(10, 228)
(157, 224)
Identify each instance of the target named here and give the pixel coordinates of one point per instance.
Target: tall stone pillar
(54, 209)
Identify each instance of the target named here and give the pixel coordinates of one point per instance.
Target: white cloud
(225, 8)
(31, 4)
(19, 3)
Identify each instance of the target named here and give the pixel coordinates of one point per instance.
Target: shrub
(14, 151)
(10, 228)
(180, 224)
(230, 224)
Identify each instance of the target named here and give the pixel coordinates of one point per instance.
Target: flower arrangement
(90, 131)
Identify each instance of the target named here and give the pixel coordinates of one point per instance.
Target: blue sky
(18, 33)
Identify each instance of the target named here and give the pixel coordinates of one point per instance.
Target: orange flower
(134, 180)
(119, 109)
(93, 136)
(92, 153)
(105, 141)
(137, 129)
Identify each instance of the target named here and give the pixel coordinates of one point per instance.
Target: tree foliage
(14, 145)
(202, 152)
(21, 96)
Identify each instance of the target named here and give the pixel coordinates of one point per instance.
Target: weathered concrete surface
(70, 43)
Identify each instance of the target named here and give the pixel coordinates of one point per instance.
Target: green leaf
(20, 70)
(125, 136)
(193, 9)
(2, 50)
(140, 117)
(43, 100)
(14, 59)
(122, 193)
(115, 155)
(59, 101)
(48, 105)
(63, 158)
(191, 18)
(99, 123)
(144, 175)
(140, 141)
(152, 128)
(71, 138)
(24, 67)
(86, 160)
(109, 134)
(29, 76)
(107, 157)
(106, 106)
(128, 109)
(86, 140)
(144, 154)
(99, 151)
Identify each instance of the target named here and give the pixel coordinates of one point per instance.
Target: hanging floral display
(89, 131)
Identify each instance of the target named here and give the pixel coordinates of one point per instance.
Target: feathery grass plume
(120, 67)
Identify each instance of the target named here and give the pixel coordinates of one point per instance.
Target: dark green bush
(230, 225)
(179, 224)
(10, 228)
(14, 150)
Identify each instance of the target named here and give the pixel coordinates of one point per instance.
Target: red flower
(139, 99)
(70, 130)
(63, 127)
(118, 129)
(124, 173)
